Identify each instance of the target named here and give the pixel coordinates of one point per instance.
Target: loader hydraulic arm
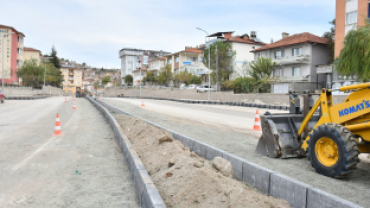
(309, 116)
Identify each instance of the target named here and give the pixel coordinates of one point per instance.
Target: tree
(165, 75)
(128, 79)
(354, 58)
(330, 43)
(223, 60)
(30, 73)
(54, 58)
(260, 74)
(96, 86)
(105, 80)
(194, 79)
(183, 77)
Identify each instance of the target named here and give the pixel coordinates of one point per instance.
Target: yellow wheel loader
(331, 136)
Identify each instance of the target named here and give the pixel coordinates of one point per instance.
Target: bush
(195, 80)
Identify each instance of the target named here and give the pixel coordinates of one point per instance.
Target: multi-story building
(296, 58)
(350, 14)
(156, 65)
(189, 60)
(242, 45)
(31, 53)
(135, 59)
(11, 50)
(72, 78)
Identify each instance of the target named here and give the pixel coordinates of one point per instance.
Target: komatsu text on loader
(331, 136)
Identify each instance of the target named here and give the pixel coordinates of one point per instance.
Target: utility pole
(216, 68)
(140, 75)
(44, 73)
(209, 62)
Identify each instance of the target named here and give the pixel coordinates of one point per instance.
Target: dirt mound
(183, 178)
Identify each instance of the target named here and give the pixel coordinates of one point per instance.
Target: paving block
(293, 191)
(212, 152)
(151, 198)
(318, 198)
(184, 140)
(236, 163)
(199, 148)
(256, 176)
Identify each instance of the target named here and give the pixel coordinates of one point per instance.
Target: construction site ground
(82, 168)
(230, 128)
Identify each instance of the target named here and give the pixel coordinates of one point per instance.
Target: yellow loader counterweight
(331, 136)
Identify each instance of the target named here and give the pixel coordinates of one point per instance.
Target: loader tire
(332, 150)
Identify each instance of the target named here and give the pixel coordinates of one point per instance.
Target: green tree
(54, 58)
(183, 77)
(54, 76)
(330, 43)
(260, 73)
(165, 75)
(128, 79)
(194, 79)
(96, 86)
(30, 73)
(354, 59)
(105, 80)
(222, 59)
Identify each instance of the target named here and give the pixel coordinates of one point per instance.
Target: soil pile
(183, 178)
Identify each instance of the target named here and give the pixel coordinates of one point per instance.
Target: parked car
(2, 97)
(205, 89)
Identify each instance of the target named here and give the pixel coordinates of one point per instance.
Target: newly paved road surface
(229, 128)
(82, 168)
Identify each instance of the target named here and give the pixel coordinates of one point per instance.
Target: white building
(297, 58)
(134, 59)
(189, 60)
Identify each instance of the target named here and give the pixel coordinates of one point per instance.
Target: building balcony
(70, 73)
(131, 52)
(292, 79)
(302, 59)
(70, 78)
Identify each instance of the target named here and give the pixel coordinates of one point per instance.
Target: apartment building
(242, 45)
(11, 50)
(190, 60)
(134, 59)
(72, 78)
(297, 58)
(31, 53)
(156, 65)
(350, 14)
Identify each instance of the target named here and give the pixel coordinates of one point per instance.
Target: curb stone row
(26, 97)
(242, 104)
(297, 194)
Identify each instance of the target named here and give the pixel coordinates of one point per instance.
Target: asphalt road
(230, 128)
(82, 168)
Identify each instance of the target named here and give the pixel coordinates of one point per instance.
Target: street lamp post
(209, 64)
(140, 74)
(44, 73)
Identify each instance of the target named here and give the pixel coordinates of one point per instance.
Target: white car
(192, 87)
(205, 89)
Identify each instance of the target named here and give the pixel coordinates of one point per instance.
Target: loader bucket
(279, 135)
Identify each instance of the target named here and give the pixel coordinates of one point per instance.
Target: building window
(296, 71)
(351, 17)
(169, 61)
(19, 39)
(278, 54)
(296, 51)
(19, 51)
(278, 72)
(192, 59)
(200, 59)
(146, 59)
(176, 59)
(19, 62)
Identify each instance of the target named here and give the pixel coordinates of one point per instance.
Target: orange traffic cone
(58, 128)
(74, 105)
(142, 103)
(65, 99)
(257, 125)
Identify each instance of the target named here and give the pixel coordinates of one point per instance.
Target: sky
(93, 31)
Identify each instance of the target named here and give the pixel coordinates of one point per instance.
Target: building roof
(31, 49)
(12, 28)
(294, 39)
(239, 39)
(218, 34)
(187, 50)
